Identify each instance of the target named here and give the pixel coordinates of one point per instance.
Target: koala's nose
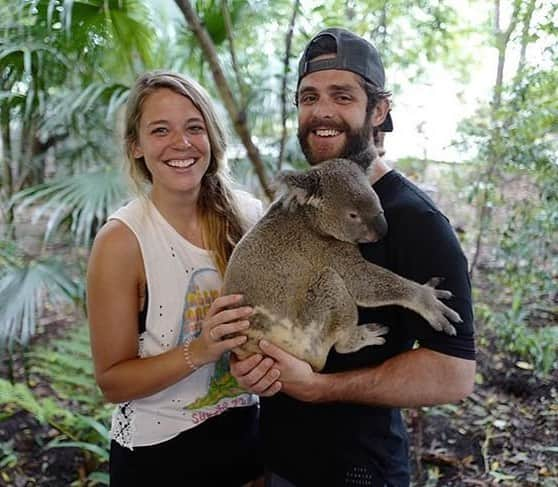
(380, 225)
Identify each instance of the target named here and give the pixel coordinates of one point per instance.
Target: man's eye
(308, 99)
(343, 98)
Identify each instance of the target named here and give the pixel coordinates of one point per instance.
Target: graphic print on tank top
(200, 293)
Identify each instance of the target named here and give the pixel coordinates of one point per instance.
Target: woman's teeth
(326, 132)
(181, 163)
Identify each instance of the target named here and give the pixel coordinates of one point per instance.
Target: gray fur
(300, 267)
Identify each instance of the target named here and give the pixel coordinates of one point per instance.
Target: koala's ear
(302, 187)
(365, 158)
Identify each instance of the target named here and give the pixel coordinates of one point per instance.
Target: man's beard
(356, 141)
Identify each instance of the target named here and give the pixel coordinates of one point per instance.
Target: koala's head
(338, 199)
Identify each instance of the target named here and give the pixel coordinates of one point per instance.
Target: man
(343, 426)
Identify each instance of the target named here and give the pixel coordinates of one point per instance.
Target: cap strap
(320, 65)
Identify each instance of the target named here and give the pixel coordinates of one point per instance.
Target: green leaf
(23, 289)
(101, 453)
(85, 199)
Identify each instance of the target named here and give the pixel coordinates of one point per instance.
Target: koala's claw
(447, 327)
(451, 314)
(376, 329)
(450, 330)
(373, 334)
(435, 281)
(443, 294)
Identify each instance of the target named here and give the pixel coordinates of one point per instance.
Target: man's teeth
(182, 163)
(327, 132)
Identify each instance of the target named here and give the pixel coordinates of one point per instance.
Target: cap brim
(387, 124)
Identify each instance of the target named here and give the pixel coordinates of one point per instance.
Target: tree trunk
(7, 175)
(286, 66)
(502, 39)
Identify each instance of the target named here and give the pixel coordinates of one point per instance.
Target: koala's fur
(301, 268)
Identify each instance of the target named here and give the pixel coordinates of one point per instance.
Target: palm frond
(9, 256)
(132, 28)
(23, 292)
(85, 199)
(109, 95)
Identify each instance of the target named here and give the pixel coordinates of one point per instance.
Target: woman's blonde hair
(221, 227)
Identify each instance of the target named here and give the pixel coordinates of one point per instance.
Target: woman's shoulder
(134, 208)
(116, 240)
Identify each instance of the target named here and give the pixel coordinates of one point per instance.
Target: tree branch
(525, 35)
(237, 116)
(288, 42)
(502, 40)
(228, 29)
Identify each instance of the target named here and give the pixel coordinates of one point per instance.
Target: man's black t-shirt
(343, 444)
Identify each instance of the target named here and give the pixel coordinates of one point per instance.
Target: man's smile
(326, 132)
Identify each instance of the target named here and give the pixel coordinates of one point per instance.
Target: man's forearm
(419, 377)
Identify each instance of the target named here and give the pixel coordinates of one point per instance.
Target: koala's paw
(434, 281)
(438, 314)
(439, 293)
(372, 333)
(354, 338)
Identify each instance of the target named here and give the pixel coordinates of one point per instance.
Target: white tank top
(182, 281)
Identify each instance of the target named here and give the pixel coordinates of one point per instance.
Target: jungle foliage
(65, 71)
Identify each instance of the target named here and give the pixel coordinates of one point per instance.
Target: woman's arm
(114, 279)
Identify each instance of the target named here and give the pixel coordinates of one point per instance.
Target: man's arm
(420, 377)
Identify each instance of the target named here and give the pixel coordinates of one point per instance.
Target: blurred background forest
(476, 124)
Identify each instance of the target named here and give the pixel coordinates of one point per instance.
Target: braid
(221, 227)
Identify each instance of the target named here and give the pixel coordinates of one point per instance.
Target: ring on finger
(212, 335)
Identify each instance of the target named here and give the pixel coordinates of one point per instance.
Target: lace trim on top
(122, 424)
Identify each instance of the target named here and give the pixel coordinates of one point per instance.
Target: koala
(301, 269)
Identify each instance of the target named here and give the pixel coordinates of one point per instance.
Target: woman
(159, 331)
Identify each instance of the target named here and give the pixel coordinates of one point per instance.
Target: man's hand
(298, 380)
(256, 374)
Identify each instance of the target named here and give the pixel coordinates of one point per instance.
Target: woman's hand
(216, 328)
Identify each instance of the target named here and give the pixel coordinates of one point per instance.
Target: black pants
(223, 451)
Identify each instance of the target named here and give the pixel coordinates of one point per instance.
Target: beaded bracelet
(187, 356)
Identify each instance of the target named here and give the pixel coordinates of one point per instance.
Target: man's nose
(322, 109)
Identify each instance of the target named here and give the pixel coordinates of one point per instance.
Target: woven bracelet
(187, 356)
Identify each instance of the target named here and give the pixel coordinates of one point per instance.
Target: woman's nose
(181, 140)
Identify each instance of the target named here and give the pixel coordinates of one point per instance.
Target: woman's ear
(137, 151)
(381, 111)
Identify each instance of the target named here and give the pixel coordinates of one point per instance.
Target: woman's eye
(159, 130)
(196, 129)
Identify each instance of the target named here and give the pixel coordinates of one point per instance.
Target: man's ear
(302, 187)
(381, 111)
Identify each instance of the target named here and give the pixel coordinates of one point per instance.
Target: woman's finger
(230, 315)
(223, 302)
(220, 331)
